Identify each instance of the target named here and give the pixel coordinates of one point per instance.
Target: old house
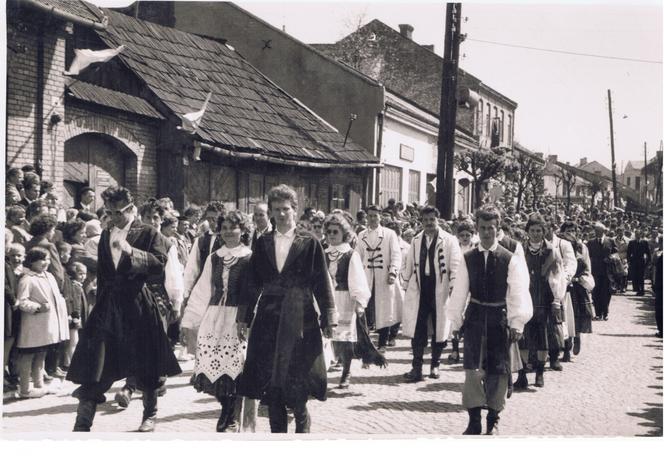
(122, 119)
(400, 131)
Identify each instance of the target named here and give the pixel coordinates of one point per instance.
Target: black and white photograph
(352, 220)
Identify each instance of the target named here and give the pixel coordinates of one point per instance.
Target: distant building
(594, 167)
(634, 177)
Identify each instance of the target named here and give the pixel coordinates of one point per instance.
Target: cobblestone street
(613, 387)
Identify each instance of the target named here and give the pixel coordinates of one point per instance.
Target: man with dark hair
(638, 258)
(12, 188)
(86, 199)
(381, 257)
(499, 307)
(428, 276)
(32, 192)
(124, 335)
(285, 364)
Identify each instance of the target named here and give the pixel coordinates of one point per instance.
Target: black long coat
(124, 335)
(638, 255)
(285, 351)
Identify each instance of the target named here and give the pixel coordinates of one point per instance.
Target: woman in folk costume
(381, 257)
(351, 295)
(568, 257)
(212, 311)
(543, 334)
(465, 230)
(580, 287)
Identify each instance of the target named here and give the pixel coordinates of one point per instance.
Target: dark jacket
(638, 253)
(125, 321)
(599, 255)
(285, 352)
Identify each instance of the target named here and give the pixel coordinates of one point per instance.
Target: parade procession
(215, 223)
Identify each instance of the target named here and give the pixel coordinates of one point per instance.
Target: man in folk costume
(428, 277)
(381, 257)
(285, 363)
(600, 249)
(124, 334)
(566, 251)
(495, 315)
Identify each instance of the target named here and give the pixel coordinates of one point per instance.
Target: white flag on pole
(83, 58)
(191, 121)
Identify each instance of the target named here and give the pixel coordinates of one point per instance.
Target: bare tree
(482, 165)
(521, 172)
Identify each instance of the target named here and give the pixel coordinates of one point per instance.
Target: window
(502, 126)
(390, 184)
(509, 130)
(413, 186)
(629, 181)
(480, 118)
(637, 182)
(406, 153)
(488, 119)
(339, 196)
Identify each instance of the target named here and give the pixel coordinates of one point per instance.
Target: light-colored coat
(447, 255)
(566, 251)
(44, 318)
(388, 298)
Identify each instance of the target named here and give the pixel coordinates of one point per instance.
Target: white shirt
(192, 269)
(518, 300)
(373, 235)
(427, 269)
(118, 234)
(282, 244)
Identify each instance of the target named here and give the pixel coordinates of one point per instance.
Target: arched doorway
(95, 160)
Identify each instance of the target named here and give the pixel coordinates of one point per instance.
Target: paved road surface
(613, 387)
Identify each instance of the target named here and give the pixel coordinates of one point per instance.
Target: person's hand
(123, 246)
(455, 334)
(175, 314)
(515, 335)
(327, 332)
(242, 331)
(391, 279)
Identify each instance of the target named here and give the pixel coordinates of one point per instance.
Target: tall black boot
(554, 362)
(223, 417)
(577, 345)
(345, 374)
(302, 419)
(231, 425)
(85, 414)
(567, 357)
(521, 380)
(149, 410)
(474, 422)
(492, 422)
(278, 417)
(539, 375)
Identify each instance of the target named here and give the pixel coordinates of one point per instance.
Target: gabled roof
(383, 54)
(635, 164)
(247, 112)
(87, 92)
(78, 11)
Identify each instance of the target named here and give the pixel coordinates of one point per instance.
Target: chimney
(584, 161)
(406, 31)
(428, 46)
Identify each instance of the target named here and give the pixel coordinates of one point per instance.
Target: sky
(562, 98)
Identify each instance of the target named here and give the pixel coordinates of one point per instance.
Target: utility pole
(645, 172)
(613, 156)
(447, 119)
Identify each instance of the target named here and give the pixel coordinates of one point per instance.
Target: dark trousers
(387, 333)
(95, 391)
(278, 415)
(602, 295)
(637, 273)
(426, 311)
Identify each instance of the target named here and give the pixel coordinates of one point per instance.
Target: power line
(558, 51)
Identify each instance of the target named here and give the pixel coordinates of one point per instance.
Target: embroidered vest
(488, 284)
(343, 265)
(540, 291)
(235, 275)
(204, 248)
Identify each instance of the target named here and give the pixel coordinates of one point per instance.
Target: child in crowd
(14, 256)
(77, 307)
(43, 321)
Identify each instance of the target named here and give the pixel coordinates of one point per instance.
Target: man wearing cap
(600, 249)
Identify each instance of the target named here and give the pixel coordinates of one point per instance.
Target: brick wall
(138, 139)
